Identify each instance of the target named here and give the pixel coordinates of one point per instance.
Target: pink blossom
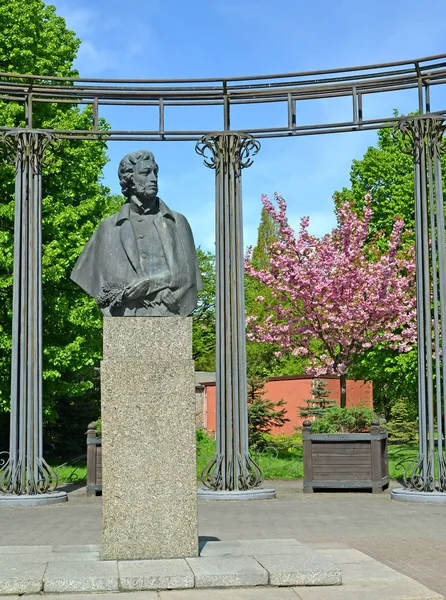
(341, 289)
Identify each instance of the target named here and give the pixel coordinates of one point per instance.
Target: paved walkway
(409, 538)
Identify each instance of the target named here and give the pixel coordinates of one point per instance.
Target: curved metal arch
(287, 89)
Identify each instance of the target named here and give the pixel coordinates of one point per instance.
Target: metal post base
(409, 495)
(32, 499)
(253, 494)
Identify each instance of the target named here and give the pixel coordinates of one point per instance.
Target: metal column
(423, 138)
(25, 472)
(232, 468)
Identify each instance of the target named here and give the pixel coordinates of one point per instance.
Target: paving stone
(401, 589)
(50, 557)
(87, 576)
(276, 542)
(75, 557)
(328, 545)
(81, 548)
(224, 571)
(96, 596)
(271, 548)
(250, 593)
(218, 548)
(20, 576)
(368, 571)
(341, 556)
(155, 574)
(250, 548)
(34, 550)
(305, 568)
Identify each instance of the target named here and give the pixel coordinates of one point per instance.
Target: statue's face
(145, 180)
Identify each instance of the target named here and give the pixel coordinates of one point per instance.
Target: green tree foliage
(344, 420)
(402, 426)
(319, 401)
(394, 376)
(203, 332)
(263, 414)
(386, 172)
(267, 234)
(262, 359)
(34, 40)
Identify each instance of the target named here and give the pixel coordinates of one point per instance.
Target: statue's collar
(124, 213)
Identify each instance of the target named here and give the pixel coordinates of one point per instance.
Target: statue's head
(138, 174)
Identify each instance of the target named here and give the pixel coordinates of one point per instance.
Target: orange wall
(294, 390)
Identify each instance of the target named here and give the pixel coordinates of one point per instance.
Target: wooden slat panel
(351, 446)
(346, 475)
(361, 457)
(354, 452)
(366, 483)
(341, 460)
(316, 438)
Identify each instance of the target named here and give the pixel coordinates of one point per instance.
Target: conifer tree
(319, 401)
(402, 426)
(263, 414)
(267, 234)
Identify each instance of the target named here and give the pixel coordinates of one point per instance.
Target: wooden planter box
(345, 460)
(94, 461)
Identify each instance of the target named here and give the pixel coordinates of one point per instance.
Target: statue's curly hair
(127, 165)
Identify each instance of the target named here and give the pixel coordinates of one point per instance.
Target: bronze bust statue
(141, 261)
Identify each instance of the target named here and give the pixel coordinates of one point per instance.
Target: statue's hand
(169, 300)
(137, 290)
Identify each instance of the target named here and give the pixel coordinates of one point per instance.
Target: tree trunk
(343, 386)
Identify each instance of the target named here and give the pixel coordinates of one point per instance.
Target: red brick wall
(294, 390)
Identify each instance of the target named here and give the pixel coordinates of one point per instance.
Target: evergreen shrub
(357, 419)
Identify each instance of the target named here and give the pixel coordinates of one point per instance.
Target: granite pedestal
(148, 439)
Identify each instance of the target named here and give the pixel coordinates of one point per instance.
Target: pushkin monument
(141, 263)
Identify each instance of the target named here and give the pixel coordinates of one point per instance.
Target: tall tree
(33, 39)
(347, 294)
(385, 172)
(203, 332)
(264, 360)
(267, 234)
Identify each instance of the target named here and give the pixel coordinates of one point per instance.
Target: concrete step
(285, 569)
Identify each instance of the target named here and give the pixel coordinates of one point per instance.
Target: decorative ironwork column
(426, 477)
(25, 472)
(232, 469)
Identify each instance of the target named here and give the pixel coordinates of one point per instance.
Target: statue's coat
(112, 256)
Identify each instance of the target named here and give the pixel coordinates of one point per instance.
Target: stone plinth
(148, 439)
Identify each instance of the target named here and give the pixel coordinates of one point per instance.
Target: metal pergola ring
(228, 152)
(288, 89)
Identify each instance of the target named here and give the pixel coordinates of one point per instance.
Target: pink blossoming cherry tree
(336, 296)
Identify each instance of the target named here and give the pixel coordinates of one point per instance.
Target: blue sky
(178, 39)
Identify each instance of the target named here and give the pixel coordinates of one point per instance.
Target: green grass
(72, 473)
(403, 457)
(281, 459)
(400, 457)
